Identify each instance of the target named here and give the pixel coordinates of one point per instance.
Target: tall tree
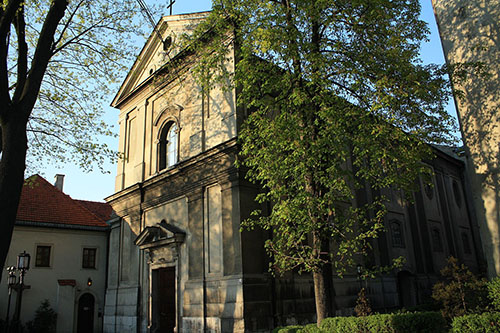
(338, 103)
(57, 61)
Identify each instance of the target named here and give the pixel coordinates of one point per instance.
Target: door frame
(93, 312)
(152, 319)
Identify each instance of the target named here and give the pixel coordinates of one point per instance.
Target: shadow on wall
(470, 32)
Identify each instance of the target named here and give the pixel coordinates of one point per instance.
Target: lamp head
(23, 261)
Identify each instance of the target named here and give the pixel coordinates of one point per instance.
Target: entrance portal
(406, 289)
(85, 314)
(164, 298)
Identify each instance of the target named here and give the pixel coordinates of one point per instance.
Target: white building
(67, 241)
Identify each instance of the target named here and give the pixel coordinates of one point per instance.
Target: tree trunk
(320, 296)
(322, 284)
(12, 166)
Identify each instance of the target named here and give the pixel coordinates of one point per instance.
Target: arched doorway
(406, 286)
(85, 322)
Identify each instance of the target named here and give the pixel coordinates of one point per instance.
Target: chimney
(59, 182)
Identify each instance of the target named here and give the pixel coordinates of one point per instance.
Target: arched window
(397, 234)
(167, 146)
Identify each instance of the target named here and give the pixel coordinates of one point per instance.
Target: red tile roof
(101, 209)
(44, 203)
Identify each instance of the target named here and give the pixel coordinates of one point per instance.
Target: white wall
(65, 264)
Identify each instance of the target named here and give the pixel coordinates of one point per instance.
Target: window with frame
(437, 242)
(89, 258)
(397, 234)
(168, 146)
(42, 258)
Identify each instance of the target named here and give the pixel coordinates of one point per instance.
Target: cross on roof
(171, 5)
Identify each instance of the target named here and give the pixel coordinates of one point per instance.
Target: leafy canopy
(93, 47)
(338, 104)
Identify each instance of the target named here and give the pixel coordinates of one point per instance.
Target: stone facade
(470, 33)
(178, 261)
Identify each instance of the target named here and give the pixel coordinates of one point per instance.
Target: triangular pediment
(157, 52)
(161, 234)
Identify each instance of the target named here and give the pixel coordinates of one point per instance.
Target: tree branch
(42, 54)
(66, 25)
(7, 17)
(22, 53)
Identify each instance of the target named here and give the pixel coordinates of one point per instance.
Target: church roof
(42, 203)
(153, 57)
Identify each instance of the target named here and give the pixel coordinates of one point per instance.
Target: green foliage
(418, 322)
(363, 307)
(338, 101)
(405, 322)
(45, 319)
(460, 292)
(287, 329)
(494, 292)
(92, 47)
(488, 322)
(310, 328)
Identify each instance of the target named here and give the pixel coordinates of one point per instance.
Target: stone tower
(470, 32)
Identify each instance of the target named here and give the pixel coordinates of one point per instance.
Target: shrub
(45, 319)
(494, 293)
(363, 307)
(419, 322)
(311, 328)
(488, 322)
(461, 292)
(340, 324)
(388, 323)
(287, 329)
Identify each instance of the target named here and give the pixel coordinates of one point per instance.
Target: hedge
(420, 322)
(488, 322)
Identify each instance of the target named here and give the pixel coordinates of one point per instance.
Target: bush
(461, 292)
(363, 307)
(387, 323)
(488, 322)
(45, 319)
(494, 293)
(311, 328)
(419, 322)
(287, 329)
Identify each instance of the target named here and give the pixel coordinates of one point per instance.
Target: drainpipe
(204, 263)
(141, 256)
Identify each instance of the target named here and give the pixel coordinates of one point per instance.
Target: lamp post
(11, 281)
(23, 265)
(359, 270)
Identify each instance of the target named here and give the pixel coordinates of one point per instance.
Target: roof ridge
(77, 201)
(99, 202)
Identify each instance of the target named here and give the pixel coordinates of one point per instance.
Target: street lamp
(11, 281)
(23, 265)
(359, 269)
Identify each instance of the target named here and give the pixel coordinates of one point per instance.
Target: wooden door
(166, 299)
(85, 322)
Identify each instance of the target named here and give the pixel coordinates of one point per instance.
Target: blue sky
(96, 186)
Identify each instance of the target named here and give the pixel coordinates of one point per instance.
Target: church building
(178, 261)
